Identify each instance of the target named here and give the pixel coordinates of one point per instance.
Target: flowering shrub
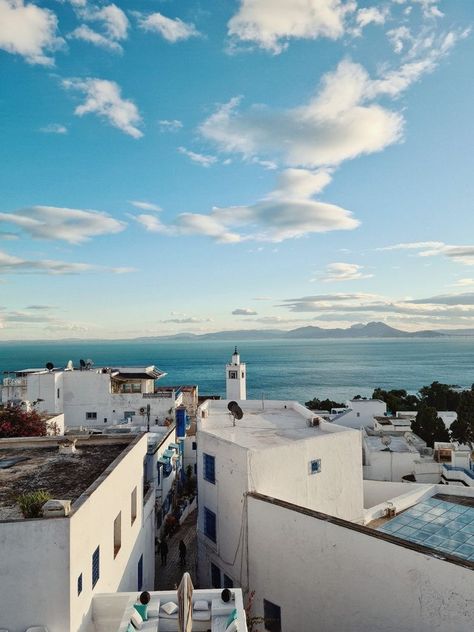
(16, 422)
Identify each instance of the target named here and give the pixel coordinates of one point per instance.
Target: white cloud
(54, 128)
(52, 222)
(172, 30)
(86, 34)
(114, 23)
(371, 15)
(10, 264)
(190, 320)
(145, 206)
(287, 212)
(270, 23)
(464, 282)
(170, 126)
(244, 311)
(458, 254)
(104, 99)
(343, 272)
(200, 159)
(29, 31)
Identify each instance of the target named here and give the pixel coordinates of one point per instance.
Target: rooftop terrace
(269, 424)
(35, 463)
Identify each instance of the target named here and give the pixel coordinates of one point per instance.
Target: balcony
(15, 381)
(457, 474)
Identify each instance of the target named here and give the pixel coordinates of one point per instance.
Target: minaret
(235, 374)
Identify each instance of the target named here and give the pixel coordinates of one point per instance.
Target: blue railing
(469, 473)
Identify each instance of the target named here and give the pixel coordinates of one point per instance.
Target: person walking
(182, 553)
(164, 552)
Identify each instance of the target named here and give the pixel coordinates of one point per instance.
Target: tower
(235, 378)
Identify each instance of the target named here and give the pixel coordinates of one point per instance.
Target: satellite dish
(89, 364)
(235, 410)
(49, 366)
(82, 363)
(70, 366)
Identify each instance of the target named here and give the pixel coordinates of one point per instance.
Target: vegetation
(322, 404)
(397, 400)
(429, 426)
(16, 422)
(440, 396)
(462, 429)
(31, 503)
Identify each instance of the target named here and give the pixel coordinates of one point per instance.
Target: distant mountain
(457, 332)
(358, 330)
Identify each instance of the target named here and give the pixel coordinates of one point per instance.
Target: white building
(284, 513)
(236, 378)
(391, 456)
(101, 539)
(96, 397)
(280, 449)
(359, 413)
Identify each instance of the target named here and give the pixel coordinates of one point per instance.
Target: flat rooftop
(397, 444)
(32, 464)
(443, 522)
(271, 424)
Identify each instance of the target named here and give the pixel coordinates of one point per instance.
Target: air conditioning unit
(56, 508)
(390, 512)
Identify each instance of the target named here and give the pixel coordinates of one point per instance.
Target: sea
(276, 369)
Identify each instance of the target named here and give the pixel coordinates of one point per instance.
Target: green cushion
(231, 617)
(130, 628)
(142, 609)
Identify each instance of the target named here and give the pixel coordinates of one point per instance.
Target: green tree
(322, 404)
(440, 396)
(16, 422)
(429, 426)
(396, 399)
(462, 429)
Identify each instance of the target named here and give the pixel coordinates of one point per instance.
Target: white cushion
(201, 604)
(170, 607)
(233, 627)
(136, 620)
(202, 615)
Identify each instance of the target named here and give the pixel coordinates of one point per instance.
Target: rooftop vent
(314, 422)
(56, 508)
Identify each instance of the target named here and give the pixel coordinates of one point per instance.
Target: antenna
(235, 411)
(49, 366)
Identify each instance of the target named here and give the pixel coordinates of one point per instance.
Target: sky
(196, 166)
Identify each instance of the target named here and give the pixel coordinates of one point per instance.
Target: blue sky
(170, 166)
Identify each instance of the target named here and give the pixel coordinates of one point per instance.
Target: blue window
(194, 445)
(95, 566)
(215, 576)
(209, 468)
(315, 466)
(79, 585)
(210, 524)
(140, 573)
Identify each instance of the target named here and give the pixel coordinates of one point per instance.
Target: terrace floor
(168, 577)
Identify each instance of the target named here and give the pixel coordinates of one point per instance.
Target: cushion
(154, 607)
(130, 628)
(201, 604)
(170, 607)
(231, 617)
(142, 610)
(136, 620)
(202, 615)
(233, 627)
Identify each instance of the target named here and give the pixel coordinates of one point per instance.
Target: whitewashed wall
(331, 578)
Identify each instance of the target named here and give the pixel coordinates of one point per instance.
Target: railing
(14, 381)
(455, 468)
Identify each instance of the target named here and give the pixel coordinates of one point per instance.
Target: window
(136, 388)
(243, 374)
(228, 583)
(79, 585)
(272, 616)
(105, 420)
(140, 573)
(91, 415)
(95, 566)
(194, 445)
(210, 524)
(128, 414)
(158, 474)
(315, 466)
(209, 468)
(358, 414)
(58, 393)
(117, 534)
(133, 505)
(233, 375)
(215, 576)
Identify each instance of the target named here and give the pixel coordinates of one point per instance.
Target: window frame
(209, 468)
(210, 518)
(95, 566)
